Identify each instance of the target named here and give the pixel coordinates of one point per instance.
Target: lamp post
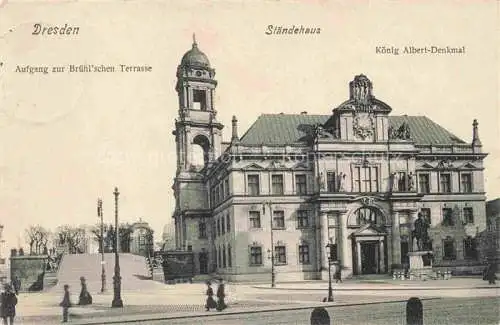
(117, 299)
(329, 248)
(103, 270)
(270, 252)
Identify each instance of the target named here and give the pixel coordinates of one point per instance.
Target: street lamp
(103, 270)
(117, 300)
(329, 248)
(270, 252)
(270, 255)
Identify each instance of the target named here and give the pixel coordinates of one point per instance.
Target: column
(396, 239)
(324, 240)
(358, 256)
(381, 257)
(345, 248)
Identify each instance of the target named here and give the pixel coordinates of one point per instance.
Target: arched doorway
(368, 240)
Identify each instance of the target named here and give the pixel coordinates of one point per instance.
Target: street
(451, 311)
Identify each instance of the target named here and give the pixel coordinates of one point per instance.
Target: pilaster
(396, 239)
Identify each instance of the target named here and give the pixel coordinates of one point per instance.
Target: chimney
(234, 136)
(476, 143)
(303, 113)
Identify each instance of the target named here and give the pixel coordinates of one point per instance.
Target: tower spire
(475, 134)
(234, 136)
(194, 41)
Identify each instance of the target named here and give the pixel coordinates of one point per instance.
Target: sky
(70, 138)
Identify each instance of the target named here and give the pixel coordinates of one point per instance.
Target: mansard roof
(288, 129)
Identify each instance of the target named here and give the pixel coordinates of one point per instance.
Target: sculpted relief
(363, 125)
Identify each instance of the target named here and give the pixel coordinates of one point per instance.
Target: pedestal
(418, 269)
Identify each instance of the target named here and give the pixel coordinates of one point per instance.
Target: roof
(284, 129)
(195, 58)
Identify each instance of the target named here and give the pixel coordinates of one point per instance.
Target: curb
(199, 315)
(406, 288)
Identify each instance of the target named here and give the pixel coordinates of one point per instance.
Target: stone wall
(30, 270)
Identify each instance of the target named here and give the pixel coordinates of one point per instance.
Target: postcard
(249, 162)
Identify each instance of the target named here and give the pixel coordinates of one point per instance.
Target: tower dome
(194, 57)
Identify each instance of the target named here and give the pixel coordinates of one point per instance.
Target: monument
(420, 255)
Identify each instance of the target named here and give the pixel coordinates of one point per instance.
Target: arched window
(200, 151)
(366, 215)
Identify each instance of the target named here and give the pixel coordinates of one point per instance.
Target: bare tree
(72, 236)
(37, 238)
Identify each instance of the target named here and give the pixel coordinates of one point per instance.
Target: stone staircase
(133, 271)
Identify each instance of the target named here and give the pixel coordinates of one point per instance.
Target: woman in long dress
(211, 303)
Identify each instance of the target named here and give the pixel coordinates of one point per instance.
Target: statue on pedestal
(420, 233)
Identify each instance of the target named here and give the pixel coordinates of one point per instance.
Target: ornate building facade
(292, 184)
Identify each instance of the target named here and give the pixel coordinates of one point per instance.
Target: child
(65, 303)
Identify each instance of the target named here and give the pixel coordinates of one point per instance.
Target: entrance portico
(369, 250)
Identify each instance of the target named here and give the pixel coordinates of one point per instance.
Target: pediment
(368, 230)
(427, 165)
(469, 165)
(301, 165)
(253, 166)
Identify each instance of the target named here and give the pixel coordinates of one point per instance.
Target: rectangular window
(280, 254)
(255, 255)
(255, 219)
(253, 185)
(229, 257)
(470, 248)
(423, 182)
(448, 217)
(219, 263)
(468, 215)
(278, 219)
(217, 198)
(221, 192)
(300, 184)
(333, 253)
(202, 230)
(426, 215)
(222, 225)
(365, 179)
(331, 182)
(216, 257)
(401, 181)
(304, 254)
(218, 228)
(226, 188)
(212, 196)
(223, 256)
(449, 249)
(199, 100)
(445, 183)
(228, 223)
(466, 183)
(302, 219)
(214, 229)
(277, 184)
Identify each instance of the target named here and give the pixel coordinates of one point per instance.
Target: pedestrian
(85, 298)
(16, 283)
(65, 303)
(490, 273)
(221, 294)
(211, 303)
(8, 302)
(338, 275)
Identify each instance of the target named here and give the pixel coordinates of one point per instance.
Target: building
(292, 184)
(4, 267)
(168, 238)
(141, 238)
(490, 238)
